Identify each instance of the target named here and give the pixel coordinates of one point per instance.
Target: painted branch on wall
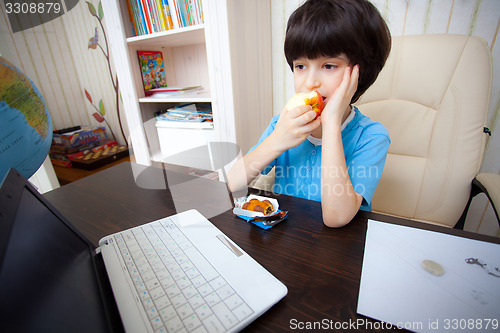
(94, 44)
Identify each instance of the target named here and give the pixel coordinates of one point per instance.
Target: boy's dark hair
(331, 27)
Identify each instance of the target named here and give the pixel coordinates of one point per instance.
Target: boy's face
(323, 74)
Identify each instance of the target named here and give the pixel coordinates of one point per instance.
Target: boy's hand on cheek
(294, 126)
(338, 102)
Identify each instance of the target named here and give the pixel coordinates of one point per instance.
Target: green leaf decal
(101, 107)
(92, 9)
(101, 12)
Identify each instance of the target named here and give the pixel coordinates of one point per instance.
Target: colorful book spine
(141, 19)
(131, 18)
(147, 16)
(136, 14)
(183, 13)
(174, 10)
(161, 14)
(195, 10)
(152, 16)
(157, 18)
(200, 11)
(168, 14)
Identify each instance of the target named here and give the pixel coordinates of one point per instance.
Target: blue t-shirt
(298, 170)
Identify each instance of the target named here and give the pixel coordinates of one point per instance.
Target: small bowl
(239, 202)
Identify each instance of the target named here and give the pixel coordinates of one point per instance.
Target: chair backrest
(433, 97)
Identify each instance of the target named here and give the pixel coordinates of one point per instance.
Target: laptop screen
(47, 277)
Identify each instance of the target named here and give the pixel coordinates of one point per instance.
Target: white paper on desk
(396, 289)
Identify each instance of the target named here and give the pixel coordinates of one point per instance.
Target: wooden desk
(320, 266)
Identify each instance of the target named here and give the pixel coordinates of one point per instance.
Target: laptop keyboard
(179, 289)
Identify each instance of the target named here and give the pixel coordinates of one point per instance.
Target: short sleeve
(265, 134)
(367, 163)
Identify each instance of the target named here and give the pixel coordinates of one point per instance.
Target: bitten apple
(314, 99)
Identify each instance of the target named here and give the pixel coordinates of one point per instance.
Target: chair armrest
(489, 184)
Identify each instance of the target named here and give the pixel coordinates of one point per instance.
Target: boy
(336, 47)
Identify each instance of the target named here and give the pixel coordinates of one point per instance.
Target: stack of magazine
(195, 114)
(170, 91)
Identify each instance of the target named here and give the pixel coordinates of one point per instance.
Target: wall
(407, 17)
(57, 58)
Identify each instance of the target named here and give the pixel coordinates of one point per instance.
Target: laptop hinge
(230, 246)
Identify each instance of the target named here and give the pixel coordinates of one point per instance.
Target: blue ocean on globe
(25, 123)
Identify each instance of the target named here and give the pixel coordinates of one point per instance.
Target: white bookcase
(229, 55)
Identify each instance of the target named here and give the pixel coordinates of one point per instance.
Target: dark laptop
(51, 279)
(176, 274)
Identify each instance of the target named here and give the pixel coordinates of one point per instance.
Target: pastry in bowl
(265, 206)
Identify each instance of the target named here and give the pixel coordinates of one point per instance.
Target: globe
(25, 123)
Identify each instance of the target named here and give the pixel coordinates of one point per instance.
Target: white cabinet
(229, 55)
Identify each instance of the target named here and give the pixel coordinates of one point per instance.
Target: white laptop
(427, 281)
(177, 274)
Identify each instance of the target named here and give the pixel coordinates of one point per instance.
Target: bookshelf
(229, 54)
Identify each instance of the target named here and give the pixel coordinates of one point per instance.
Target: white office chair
(433, 96)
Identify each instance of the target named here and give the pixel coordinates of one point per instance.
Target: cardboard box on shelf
(63, 159)
(79, 137)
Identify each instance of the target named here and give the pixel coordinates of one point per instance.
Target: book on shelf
(172, 91)
(150, 16)
(187, 113)
(152, 70)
